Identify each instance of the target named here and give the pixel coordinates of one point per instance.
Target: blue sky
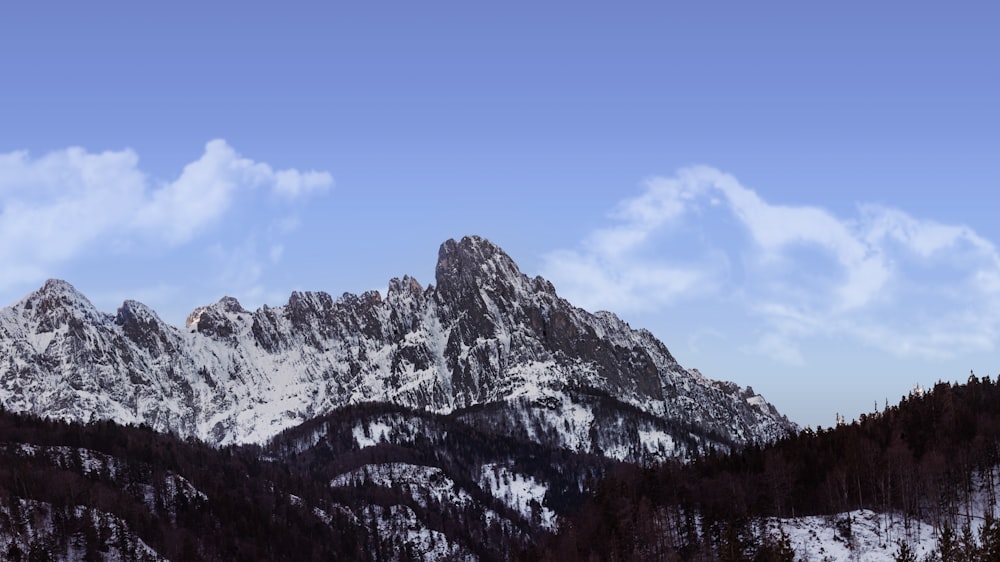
(796, 196)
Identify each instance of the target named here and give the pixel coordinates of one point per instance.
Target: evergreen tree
(776, 549)
(969, 549)
(948, 547)
(989, 539)
(905, 553)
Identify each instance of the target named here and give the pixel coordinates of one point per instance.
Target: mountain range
(484, 335)
(482, 418)
(464, 420)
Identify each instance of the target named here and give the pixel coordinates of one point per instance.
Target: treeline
(932, 457)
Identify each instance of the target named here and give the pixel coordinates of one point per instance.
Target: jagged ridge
(486, 334)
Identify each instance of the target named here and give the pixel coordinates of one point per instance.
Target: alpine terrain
(460, 420)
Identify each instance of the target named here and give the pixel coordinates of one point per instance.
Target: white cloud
(205, 190)
(609, 272)
(905, 285)
(292, 183)
(56, 207)
(605, 281)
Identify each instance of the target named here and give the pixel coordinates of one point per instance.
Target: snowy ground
(861, 535)
(519, 492)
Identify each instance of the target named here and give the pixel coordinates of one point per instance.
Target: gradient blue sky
(799, 196)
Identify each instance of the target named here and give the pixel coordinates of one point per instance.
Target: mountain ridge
(483, 334)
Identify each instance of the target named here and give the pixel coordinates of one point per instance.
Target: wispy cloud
(899, 283)
(57, 206)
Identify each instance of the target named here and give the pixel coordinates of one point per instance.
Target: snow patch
(657, 443)
(371, 433)
(855, 535)
(425, 484)
(519, 492)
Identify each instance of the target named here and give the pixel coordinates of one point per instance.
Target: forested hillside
(915, 481)
(107, 492)
(368, 482)
(931, 458)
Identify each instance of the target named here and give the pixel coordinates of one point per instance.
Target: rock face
(486, 343)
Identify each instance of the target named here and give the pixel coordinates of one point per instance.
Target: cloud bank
(57, 206)
(910, 286)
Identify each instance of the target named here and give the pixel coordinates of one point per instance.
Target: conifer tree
(905, 553)
(948, 547)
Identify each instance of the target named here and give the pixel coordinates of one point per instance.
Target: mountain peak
(55, 302)
(54, 288)
(471, 245)
(143, 326)
(229, 304)
(212, 319)
(473, 260)
(131, 309)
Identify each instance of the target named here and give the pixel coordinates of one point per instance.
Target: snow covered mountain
(499, 350)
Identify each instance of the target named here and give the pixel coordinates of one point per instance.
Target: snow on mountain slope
(520, 492)
(484, 335)
(427, 485)
(856, 535)
(30, 533)
(411, 539)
